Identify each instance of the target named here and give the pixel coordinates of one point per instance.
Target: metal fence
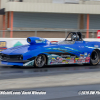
(47, 33)
(15, 0)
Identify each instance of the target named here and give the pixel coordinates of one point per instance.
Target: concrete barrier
(13, 42)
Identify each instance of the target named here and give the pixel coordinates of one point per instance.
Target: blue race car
(40, 52)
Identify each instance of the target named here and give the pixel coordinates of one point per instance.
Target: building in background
(36, 16)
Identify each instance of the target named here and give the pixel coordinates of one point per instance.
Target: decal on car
(68, 59)
(30, 63)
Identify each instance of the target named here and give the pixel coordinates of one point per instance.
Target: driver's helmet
(75, 37)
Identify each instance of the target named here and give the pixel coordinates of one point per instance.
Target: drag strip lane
(10, 72)
(64, 79)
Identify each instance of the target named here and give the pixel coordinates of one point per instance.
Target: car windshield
(68, 38)
(71, 38)
(66, 42)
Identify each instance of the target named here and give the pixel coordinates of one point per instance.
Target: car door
(74, 52)
(73, 47)
(69, 52)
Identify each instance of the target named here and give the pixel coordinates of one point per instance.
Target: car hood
(19, 49)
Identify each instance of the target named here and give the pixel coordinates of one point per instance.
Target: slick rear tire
(40, 61)
(94, 60)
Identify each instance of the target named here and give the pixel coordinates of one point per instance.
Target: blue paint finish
(12, 63)
(42, 46)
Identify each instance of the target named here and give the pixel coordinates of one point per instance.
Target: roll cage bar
(77, 34)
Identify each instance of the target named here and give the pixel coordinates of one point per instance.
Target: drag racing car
(40, 52)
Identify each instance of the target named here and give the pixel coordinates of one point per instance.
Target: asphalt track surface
(59, 82)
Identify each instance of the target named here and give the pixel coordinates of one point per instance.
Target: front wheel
(94, 60)
(40, 61)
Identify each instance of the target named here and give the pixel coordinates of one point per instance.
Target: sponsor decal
(53, 61)
(85, 54)
(3, 45)
(96, 46)
(81, 55)
(68, 58)
(30, 63)
(71, 62)
(87, 58)
(79, 62)
(53, 58)
(60, 59)
(83, 61)
(64, 61)
(76, 58)
(79, 59)
(17, 44)
(57, 57)
(73, 56)
(65, 55)
(40, 41)
(87, 61)
(89, 55)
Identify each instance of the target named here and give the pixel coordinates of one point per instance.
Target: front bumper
(12, 63)
(19, 63)
(15, 60)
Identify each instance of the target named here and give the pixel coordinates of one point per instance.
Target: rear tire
(40, 61)
(94, 60)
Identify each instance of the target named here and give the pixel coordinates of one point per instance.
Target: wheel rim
(94, 55)
(40, 61)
